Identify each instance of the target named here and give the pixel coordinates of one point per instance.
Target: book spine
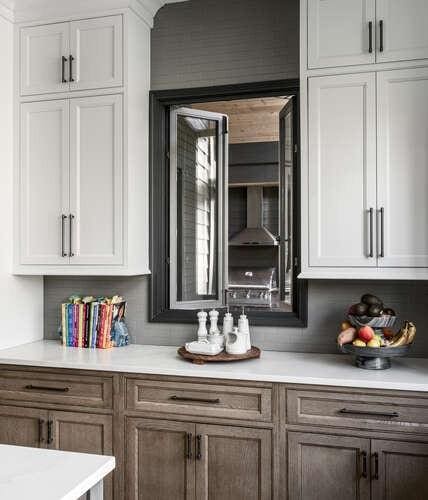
(64, 323)
(80, 325)
(70, 324)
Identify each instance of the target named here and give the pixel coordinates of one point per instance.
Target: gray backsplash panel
(328, 301)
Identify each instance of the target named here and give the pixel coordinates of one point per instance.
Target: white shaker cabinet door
(43, 182)
(339, 33)
(402, 102)
(96, 180)
(42, 49)
(97, 48)
(342, 170)
(402, 27)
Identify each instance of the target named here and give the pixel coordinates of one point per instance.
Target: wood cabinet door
(342, 170)
(233, 463)
(339, 32)
(44, 182)
(402, 175)
(401, 470)
(159, 460)
(326, 467)
(96, 180)
(42, 49)
(83, 433)
(404, 30)
(96, 45)
(23, 426)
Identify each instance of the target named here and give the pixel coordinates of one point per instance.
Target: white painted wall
(21, 298)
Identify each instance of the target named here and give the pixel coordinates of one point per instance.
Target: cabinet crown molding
(18, 11)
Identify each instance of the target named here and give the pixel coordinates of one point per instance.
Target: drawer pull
(50, 432)
(195, 400)
(392, 414)
(31, 387)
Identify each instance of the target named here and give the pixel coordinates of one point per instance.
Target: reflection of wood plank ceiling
(250, 120)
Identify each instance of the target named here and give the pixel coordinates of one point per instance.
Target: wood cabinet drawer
(242, 402)
(73, 390)
(359, 410)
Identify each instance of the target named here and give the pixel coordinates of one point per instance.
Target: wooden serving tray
(200, 359)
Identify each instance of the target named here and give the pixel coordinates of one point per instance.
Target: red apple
(366, 333)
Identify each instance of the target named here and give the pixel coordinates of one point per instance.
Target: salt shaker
(202, 330)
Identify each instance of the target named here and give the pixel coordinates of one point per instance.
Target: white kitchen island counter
(410, 374)
(40, 474)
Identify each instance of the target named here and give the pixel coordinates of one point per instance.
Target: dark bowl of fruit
(369, 337)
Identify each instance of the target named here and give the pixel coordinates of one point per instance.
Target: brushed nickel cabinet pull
(41, 430)
(70, 253)
(71, 59)
(195, 400)
(371, 251)
(198, 447)
(63, 219)
(382, 232)
(31, 387)
(392, 414)
(363, 456)
(50, 432)
(64, 60)
(189, 446)
(370, 37)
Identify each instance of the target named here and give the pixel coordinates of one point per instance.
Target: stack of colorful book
(88, 321)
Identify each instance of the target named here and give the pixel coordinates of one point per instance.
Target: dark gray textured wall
(212, 42)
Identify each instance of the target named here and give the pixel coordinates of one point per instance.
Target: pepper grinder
(202, 330)
(244, 327)
(213, 322)
(227, 323)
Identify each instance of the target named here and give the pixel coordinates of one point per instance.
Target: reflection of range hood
(255, 234)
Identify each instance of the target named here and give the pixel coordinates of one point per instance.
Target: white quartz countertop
(40, 474)
(288, 367)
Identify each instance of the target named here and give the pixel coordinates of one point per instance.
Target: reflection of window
(205, 214)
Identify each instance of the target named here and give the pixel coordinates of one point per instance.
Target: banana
(411, 332)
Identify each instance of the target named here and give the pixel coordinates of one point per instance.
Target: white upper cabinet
(352, 32)
(96, 48)
(340, 32)
(43, 50)
(96, 180)
(342, 170)
(44, 174)
(80, 55)
(402, 102)
(404, 30)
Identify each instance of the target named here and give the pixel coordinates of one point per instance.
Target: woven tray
(200, 359)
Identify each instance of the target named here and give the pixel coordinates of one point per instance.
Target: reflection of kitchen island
(42, 474)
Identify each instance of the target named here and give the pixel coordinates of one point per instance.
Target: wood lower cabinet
(233, 463)
(325, 467)
(23, 426)
(399, 470)
(158, 460)
(182, 460)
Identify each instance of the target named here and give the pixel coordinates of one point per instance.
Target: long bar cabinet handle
(376, 466)
(63, 219)
(71, 59)
(50, 432)
(370, 37)
(392, 414)
(41, 430)
(363, 456)
(189, 437)
(381, 35)
(215, 401)
(70, 253)
(382, 232)
(198, 447)
(31, 387)
(63, 61)
(371, 250)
